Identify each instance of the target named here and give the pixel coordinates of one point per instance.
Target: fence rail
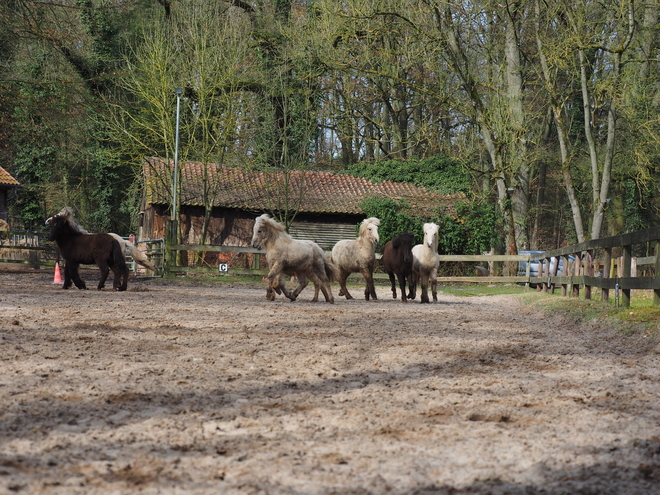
(589, 264)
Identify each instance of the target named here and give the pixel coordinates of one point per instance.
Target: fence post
(170, 239)
(607, 262)
(627, 268)
(656, 292)
(575, 288)
(589, 271)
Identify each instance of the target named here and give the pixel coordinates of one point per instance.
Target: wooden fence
(605, 263)
(589, 264)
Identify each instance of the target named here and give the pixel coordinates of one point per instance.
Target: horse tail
(139, 256)
(120, 261)
(331, 270)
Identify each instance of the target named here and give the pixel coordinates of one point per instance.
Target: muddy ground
(173, 388)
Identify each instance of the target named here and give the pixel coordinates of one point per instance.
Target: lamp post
(175, 181)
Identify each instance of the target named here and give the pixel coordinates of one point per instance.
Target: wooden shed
(328, 204)
(7, 184)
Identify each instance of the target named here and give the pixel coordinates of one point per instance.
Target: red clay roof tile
(255, 190)
(7, 179)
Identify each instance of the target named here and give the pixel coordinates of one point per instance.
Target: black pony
(77, 247)
(398, 260)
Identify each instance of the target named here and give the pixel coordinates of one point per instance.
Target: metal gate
(155, 251)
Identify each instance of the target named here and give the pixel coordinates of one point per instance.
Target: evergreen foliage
(473, 231)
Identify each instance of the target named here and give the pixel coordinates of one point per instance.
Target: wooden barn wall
(3, 204)
(324, 234)
(229, 227)
(226, 227)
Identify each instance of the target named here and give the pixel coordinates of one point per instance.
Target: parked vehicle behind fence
(534, 265)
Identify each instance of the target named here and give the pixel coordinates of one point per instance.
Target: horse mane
(273, 225)
(403, 239)
(67, 214)
(365, 223)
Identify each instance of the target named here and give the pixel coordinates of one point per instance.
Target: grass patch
(482, 290)
(641, 315)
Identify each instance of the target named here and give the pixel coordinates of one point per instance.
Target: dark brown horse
(77, 248)
(398, 260)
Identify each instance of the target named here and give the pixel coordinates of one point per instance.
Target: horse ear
(396, 242)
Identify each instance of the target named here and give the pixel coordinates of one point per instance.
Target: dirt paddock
(173, 388)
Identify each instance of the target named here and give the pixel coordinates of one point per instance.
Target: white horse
(425, 263)
(288, 256)
(127, 247)
(358, 256)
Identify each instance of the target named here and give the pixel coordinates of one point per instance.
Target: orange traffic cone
(58, 277)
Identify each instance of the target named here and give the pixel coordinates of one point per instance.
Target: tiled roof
(322, 192)
(6, 179)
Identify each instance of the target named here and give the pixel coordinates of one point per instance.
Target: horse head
(404, 242)
(66, 215)
(431, 235)
(369, 230)
(58, 225)
(265, 229)
(64, 222)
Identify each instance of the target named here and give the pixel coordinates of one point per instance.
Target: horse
(398, 260)
(425, 263)
(77, 248)
(128, 247)
(131, 250)
(358, 255)
(288, 256)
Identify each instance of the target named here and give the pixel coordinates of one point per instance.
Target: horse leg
(67, 276)
(425, 288)
(323, 284)
(393, 282)
(413, 285)
(302, 283)
(275, 279)
(327, 293)
(119, 279)
(105, 270)
(75, 276)
(402, 286)
(343, 291)
(273, 287)
(370, 289)
(434, 285)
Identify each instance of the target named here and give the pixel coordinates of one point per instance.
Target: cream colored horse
(425, 263)
(288, 256)
(358, 256)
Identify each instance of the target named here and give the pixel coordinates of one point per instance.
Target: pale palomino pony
(288, 256)
(358, 256)
(127, 247)
(425, 263)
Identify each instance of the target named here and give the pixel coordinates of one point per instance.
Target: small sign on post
(223, 267)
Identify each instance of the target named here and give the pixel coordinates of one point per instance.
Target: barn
(327, 204)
